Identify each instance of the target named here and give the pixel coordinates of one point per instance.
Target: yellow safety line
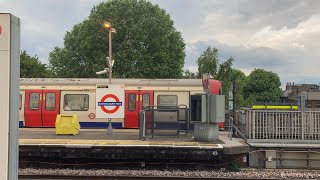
(127, 143)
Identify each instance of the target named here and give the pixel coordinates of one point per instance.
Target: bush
(233, 167)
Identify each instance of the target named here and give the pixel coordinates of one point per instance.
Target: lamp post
(111, 30)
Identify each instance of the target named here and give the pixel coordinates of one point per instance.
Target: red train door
(41, 107)
(50, 107)
(135, 101)
(32, 110)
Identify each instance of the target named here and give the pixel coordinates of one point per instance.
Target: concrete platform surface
(127, 137)
(116, 143)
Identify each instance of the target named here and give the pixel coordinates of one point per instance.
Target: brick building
(310, 92)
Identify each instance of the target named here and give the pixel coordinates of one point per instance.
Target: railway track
(27, 177)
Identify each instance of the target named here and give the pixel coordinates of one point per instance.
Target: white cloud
(193, 69)
(285, 37)
(279, 35)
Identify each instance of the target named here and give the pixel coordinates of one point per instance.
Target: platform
(94, 145)
(126, 137)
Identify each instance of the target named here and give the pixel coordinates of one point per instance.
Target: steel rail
(125, 177)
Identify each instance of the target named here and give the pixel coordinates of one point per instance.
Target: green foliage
(31, 67)
(233, 167)
(225, 75)
(262, 86)
(208, 62)
(189, 75)
(240, 78)
(146, 44)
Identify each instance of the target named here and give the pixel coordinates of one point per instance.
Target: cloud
(291, 52)
(278, 35)
(44, 23)
(233, 22)
(287, 38)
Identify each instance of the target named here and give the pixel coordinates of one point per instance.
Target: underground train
(42, 99)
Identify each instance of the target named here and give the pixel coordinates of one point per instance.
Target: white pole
(110, 56)
(9, 95)
(109, 131)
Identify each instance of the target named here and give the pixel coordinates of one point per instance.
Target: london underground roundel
(110, 101)
(115, 104)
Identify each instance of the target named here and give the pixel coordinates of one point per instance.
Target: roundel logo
(115, 104)
(0, 29)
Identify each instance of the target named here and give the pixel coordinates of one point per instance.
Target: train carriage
(42, 99)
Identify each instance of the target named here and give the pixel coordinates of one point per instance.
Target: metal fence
(281, 124)
(167, 119)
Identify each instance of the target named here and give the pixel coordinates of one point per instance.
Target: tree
(208, 62)
(239, 78)
(31, 67)
(146, 44)
(262, 86)
(187, 74)
(224, 74)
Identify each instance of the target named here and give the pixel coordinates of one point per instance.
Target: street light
(110, 62)
(111, 30)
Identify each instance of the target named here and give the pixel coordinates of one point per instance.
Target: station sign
(110, 101)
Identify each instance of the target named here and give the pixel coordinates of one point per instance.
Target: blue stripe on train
(116, 125)
(101, 125)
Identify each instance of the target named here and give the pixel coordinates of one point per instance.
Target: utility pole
(234, 92)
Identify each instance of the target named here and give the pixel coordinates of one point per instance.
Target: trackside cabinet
(212, 113)
(217, 109)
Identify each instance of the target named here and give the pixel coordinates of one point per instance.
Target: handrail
(239, 132)
(152, 106)
(163, 109)
(230, 132)
(231, 127)
(142, 135)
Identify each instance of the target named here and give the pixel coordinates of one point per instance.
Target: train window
(20, 101)
(167, 100)
(34, 101)
(145, 100)
(50, 101)
(132, 102)
(76, 102)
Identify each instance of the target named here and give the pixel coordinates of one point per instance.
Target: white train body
(42, 99)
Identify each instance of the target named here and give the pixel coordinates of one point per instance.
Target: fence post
(253, 124)
(302, 123)
(230, 128)
(152, 122)
(249, 119)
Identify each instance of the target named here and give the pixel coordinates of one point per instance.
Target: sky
(278, 35)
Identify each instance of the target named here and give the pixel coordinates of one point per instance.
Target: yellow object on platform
(67, 124)
(274, 107)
